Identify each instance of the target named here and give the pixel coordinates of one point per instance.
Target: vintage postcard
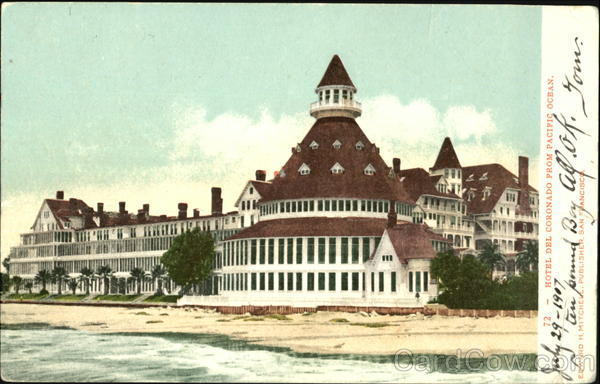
(299, 193)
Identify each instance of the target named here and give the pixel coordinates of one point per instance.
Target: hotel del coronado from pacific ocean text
(334, 226)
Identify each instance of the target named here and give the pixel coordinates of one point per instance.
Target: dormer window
(471, 195)
(337, 144)
(359, 145)
(282, 173)
(471, 177)
(304, 169)
(298, 149)
(314, 145)
(337, 169)
(486, 192)
(483, 177)
(369, 170)
(516, 180)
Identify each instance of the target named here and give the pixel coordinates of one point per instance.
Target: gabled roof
(498, 179)
(352, 183)
(413, 241)
(417, 182)
(261, 187)
(446, 157)
(63, 209)
(335, 74)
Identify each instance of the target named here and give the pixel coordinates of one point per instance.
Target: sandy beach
(348, 333)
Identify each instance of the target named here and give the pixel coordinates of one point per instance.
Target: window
(332, 250)
(344, 281)
(366, 250)
(410, 281)
(290, 281)
(280, 251)
(299, 251)
(310, 253)
(314, 145)
(320, 205)
(262, 281)
(484, 177)
(336, 95)
(290, 251)
(327, 205)
(304, 169)
(372, 281)
(271, 281)
(271, 251)
(321, 250)
(359, 145)
(253, 252)
(344, 250)
(393, 281)
(418, 281)
(369, 170)
(321, 281)
(381, 281)
(281, 281)
(355, 281)
(471, 177)
(355, 250)
(310, 281)
(332, 281)
(337, 144)
(386, 257)
(298, 281)
(425, 281)
(261, 254)
(337, 169)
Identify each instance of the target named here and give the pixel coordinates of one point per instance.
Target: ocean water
(37, 352)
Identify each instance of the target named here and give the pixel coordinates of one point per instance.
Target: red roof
(352, 183)
(314, 226)
(63, 209)
(495, 176)
(447, 156)
(417, 182)
(335, 74)
(413, 241)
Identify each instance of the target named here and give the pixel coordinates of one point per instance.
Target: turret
(335, 93)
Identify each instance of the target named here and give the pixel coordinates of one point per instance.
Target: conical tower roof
(335, 74)
(354, 154)
(447, 157)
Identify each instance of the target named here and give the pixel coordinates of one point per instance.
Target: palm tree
(29, 286)
(528, 257)
(105, 272)
(43, 277)
(59, 274)
(73, 284)
(6, 264)
(17, 280)
(86, 276)
(491, 257)
(158, 273)
(139, 275)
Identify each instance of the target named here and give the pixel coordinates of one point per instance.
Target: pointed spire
(335, 74)
(447, 157)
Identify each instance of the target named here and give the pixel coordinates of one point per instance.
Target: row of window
(443, 204)
(299, 250)
(333, 205)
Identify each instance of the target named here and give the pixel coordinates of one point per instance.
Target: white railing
(341, 103)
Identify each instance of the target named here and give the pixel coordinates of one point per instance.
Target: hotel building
(335, 225)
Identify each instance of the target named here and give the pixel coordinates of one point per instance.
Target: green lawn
(27, 296)
(68, 297)
(116, 297)
(162, 299)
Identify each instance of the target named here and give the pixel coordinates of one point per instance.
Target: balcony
(350, 108)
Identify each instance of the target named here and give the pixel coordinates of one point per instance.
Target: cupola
(335, 93)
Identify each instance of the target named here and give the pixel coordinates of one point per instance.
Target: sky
(156, 103)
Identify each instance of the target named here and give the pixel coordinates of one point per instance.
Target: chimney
(182, 210)
(141, 216)
(60, 195)
(216, 201)
(392, 217)
(146, 208)
(196, 213)
(88, 214)
(121, 207)
(396, 162)
(261, 175)
(163, 217)
(524, 183)
(100, 208)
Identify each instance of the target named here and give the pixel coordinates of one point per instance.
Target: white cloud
(226, 150)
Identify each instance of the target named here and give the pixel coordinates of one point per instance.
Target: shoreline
(348, 333)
